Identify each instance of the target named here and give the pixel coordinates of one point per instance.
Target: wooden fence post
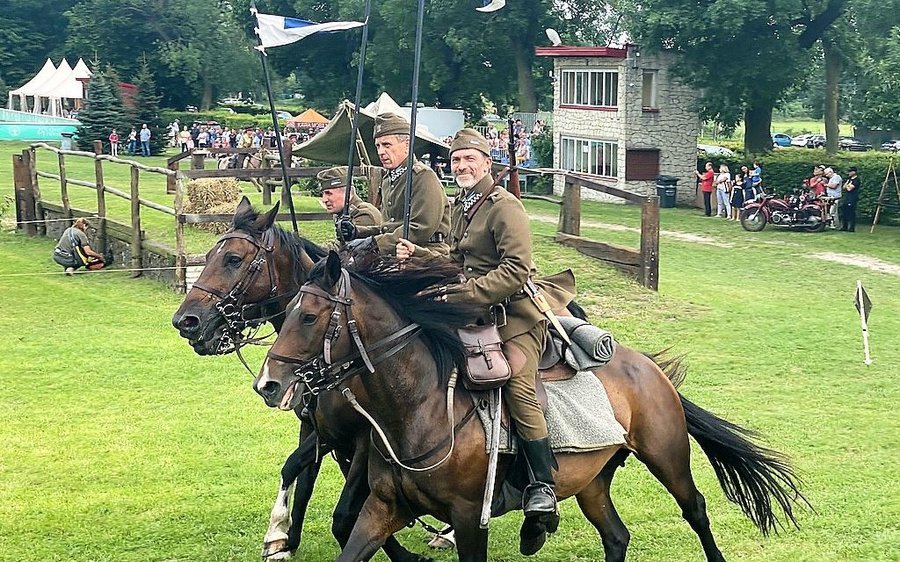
(25, 216)
(180, 255)
(136, 250)
(101, 198)
(649, 274)
(31, 156)
(570, 211)
(170, 180)
(197, 160)
(288, 149)
(267, 183)
(64, 185)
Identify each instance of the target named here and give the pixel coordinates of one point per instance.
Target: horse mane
(411, 290)
(246, 220)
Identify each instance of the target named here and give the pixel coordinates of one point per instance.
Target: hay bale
(207, 193)
(218, 227)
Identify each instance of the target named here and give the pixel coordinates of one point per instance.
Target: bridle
(231, 303)
(321, 374)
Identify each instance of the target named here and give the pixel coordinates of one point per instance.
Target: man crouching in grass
(74, 249)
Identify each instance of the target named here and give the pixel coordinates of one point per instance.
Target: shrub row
(236, 120)
(785, 170)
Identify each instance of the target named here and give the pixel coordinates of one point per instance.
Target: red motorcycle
(801, 211)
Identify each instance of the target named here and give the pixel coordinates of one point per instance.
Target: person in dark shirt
(849, 200)
(74, 249)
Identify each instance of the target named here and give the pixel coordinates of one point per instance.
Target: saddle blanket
(579, 417)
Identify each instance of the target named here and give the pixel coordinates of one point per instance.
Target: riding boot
(538, 500)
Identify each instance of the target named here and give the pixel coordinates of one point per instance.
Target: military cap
(390, 124)
(332, 178)
(470, 138)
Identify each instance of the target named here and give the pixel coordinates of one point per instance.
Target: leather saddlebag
(486, 366)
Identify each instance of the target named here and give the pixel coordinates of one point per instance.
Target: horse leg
(596, 504)
(354, 494)
(300, 469)
(471, 539)
(376, 523)
(669, 459)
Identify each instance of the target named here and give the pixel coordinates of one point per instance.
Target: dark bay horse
(251, 274)
(408, 400)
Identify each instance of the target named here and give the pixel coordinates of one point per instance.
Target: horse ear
(306, 262)
(269, 218)
(243, 207)
(332, 269)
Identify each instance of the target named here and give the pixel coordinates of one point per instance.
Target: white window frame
(654, 89)
(590, 88)
(589, 156)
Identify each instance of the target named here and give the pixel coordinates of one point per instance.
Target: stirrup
(534, 496)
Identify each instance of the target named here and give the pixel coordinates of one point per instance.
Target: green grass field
(119, 444)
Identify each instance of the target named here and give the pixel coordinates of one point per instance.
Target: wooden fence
(643, 262)
(36, 216)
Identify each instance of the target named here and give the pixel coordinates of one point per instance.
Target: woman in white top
(723, 192)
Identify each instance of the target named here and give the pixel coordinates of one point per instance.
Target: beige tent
(333, 143)
(308, 117)
(32, 88)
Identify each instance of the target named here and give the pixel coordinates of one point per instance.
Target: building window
(588, 156)
(649, 90)
(641, 163)
(590, 88)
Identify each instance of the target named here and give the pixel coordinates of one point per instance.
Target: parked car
(284, 115)
(715, 150)
(855, 145)
(781, 139)
(800, 140)
(815, 141)
(892, 145)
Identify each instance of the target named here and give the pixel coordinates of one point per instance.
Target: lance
(354, 132)
(286, 187)
(412, 120)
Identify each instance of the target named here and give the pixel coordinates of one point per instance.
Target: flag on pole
(863, 306)
(275, 31)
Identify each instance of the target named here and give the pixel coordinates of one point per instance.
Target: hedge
(236, 120)
(784, 170)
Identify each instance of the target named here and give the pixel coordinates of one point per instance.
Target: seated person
(333, 183)
(74, 249)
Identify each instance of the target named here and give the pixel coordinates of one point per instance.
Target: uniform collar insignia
(469, 199)
(397, 172)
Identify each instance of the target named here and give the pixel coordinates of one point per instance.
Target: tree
(881, 83)
(745, 61)
(146, 108)
(103, 110)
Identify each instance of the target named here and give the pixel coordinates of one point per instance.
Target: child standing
(114, 143)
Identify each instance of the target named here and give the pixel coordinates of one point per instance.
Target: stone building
(622, 115)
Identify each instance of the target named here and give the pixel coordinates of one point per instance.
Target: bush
(235, 120)
(785, 170)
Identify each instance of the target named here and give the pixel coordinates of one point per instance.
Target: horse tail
(672, 366)
(751, 476)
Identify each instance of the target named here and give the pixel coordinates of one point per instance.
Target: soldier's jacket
(495, 253)
(363, 213)
(429, 213)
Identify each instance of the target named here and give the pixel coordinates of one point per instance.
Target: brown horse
(410, 338)
(250, 275)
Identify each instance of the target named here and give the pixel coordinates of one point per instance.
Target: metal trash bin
(66, 143)
(666, 190)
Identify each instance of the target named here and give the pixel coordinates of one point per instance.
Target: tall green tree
(146, 108)
(742, 55)
(103, 110)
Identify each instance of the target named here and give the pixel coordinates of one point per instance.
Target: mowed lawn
(118, 443)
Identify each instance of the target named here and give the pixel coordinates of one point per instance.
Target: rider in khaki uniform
(490, 237)
(333, 183)
(429, 216)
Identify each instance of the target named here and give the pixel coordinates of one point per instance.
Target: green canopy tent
(331, 145)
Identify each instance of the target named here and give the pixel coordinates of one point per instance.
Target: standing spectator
(114, 143)
(816, 183)
(737, 196)
(849, 199)
(723, 192)
(747, 185)
(706, 187)
(756, 179)
(74, 249)
(833, 191)
(202, 138)
(184, 138)
(132, 141)
(145, 140)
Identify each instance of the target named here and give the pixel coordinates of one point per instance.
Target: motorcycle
(800, 211)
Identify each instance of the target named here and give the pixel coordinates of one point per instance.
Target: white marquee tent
(50, 87)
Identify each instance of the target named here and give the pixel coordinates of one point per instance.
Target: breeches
(519, 394)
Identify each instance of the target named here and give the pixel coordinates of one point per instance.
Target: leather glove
(347, 230)
(360, 245)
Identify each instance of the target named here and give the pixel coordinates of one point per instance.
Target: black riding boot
(538, 500)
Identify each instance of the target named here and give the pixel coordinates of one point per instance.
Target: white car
(715, 150)
(800, 140)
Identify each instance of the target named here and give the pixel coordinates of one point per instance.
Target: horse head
(250, 273)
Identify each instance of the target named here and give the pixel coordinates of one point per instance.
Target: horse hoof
(276, 550)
